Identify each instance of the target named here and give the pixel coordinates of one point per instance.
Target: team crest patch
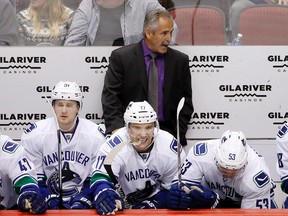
(115, 141)
(261, 179)
(200, 149)
(282, 131)
(30, 128)
(174, 146)
(10, 147)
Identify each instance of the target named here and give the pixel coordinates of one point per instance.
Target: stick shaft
(179, 108)
(59, 154)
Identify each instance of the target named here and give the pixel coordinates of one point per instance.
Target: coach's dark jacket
(126, 80)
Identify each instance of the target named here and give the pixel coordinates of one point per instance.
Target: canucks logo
(261, 179)
(68, 176)
(10, 147)
(174, 146)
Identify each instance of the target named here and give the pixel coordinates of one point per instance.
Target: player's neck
(68, 128)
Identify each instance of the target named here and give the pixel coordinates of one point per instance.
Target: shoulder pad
(29, 129)
(101, 129)
(281, 133)
(174, 146)
(114, 141)
(200, 149)
(261, 179)
(10, 147)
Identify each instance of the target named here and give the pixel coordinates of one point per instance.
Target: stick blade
(109, 159)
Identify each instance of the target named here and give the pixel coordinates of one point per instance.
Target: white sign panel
(237, 88)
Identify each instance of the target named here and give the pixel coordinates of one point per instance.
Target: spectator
(282, 156)
(44, 23)
(80, 140)
(144, 166)
(232, 169)
(13, 3)
(239, 5)
(127, 77)
(17, 177)
(106, 23)
(8, 24)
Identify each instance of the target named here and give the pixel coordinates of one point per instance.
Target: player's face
(159, 40)
(66, 112)
(141, 135)
(228, 173)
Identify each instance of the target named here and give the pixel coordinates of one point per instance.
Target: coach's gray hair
(152, 19)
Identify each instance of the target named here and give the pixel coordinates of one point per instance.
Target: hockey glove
(285, 203)
(80, 202)
(140, 195)
(178, 198)
(31, 200)
(284, 186)
(146, 204)
(202, 197)
(107, 200)
(53, 202)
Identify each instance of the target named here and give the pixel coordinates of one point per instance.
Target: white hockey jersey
(16, 171)
(133, 170)
(250, 187)
(78, 153)
(282, 152)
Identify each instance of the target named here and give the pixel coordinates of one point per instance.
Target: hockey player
(282, 159)
(144, 167)
(17, 178)
(80, 140)
(232, 169)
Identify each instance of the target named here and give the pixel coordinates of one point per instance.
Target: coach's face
(66, 112)
(141, 135)
(159, 40)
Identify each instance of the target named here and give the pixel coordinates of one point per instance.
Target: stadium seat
(202, 25)
(264, 25)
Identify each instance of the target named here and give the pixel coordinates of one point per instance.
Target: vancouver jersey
(282, 152)
(133, 170)
(16, 171)
(250, 187)
(78, 152)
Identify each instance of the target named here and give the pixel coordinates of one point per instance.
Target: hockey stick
(109, 159)
(108, 166)
(179, 107)
(59, 154)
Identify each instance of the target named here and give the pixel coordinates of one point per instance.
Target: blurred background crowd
(113, 22)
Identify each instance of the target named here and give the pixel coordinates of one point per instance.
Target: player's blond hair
(57, 14)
